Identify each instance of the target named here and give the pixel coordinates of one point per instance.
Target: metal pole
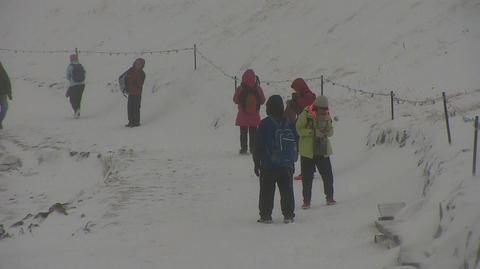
(235, 78)
(391, 102)
(195, 56)
(446, 117)
(322, 86)
(474, 166)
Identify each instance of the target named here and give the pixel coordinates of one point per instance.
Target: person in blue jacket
(271, 168)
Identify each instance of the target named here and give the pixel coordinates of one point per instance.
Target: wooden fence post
(391, 103)
(475, 135)
(446, 118)
(322, 85)
(194, 56)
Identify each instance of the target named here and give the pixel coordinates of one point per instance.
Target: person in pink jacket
(249, 97)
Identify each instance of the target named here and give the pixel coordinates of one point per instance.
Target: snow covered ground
(174, 193)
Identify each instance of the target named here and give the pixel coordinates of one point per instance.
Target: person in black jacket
(274, 163)
(5, 91)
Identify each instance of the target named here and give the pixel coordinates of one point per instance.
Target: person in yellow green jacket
(314, 127)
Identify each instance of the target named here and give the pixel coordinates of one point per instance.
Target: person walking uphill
(314, 126)
(76, 77)
(274, 155)
(249, 97)
(134, 84)
(5, 91)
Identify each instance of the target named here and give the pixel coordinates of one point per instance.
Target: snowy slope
(174, 193)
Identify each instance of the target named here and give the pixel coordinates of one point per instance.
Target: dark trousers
(308, 169)
(283, 178)
(75, 93)
(3, 107)
(133, 108)
(244, 131)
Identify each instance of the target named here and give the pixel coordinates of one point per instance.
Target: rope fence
(323, 80)
(215, 66)
(109, 53)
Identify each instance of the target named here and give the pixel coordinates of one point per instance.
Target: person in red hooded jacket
(134, 84)
(249, 97)
(302, 97)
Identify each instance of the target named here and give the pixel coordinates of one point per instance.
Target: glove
(9, 96)
(319, 133)
(256, 169)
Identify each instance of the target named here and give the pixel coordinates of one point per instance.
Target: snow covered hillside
(173, 193)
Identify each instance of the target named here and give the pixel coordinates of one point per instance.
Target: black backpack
(122, 82)
(78, 73)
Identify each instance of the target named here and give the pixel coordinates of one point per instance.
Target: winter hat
(275, 106)
(249, 78)
(73, 58)
(299, 85)
(139, 61)
(321, 101)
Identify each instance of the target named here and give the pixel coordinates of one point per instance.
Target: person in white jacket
(76, 78)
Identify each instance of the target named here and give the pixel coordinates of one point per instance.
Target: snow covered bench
(385, 223)
(388, 211)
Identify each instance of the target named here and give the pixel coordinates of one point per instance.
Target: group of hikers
(132, 85)
(133, 80)
(302, 128)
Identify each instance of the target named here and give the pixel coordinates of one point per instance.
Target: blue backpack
(284, 150)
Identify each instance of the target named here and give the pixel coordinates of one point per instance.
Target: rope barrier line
(36, 51)
(224, 73)
(215, 66)
(402, 100)
(98, 52)
(110, 53)
(269, 82)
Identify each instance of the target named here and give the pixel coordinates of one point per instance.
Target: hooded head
(139, 63)
(73, 58)
(321, 102)
(300, 86)
(275, 106)
(249, 78)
